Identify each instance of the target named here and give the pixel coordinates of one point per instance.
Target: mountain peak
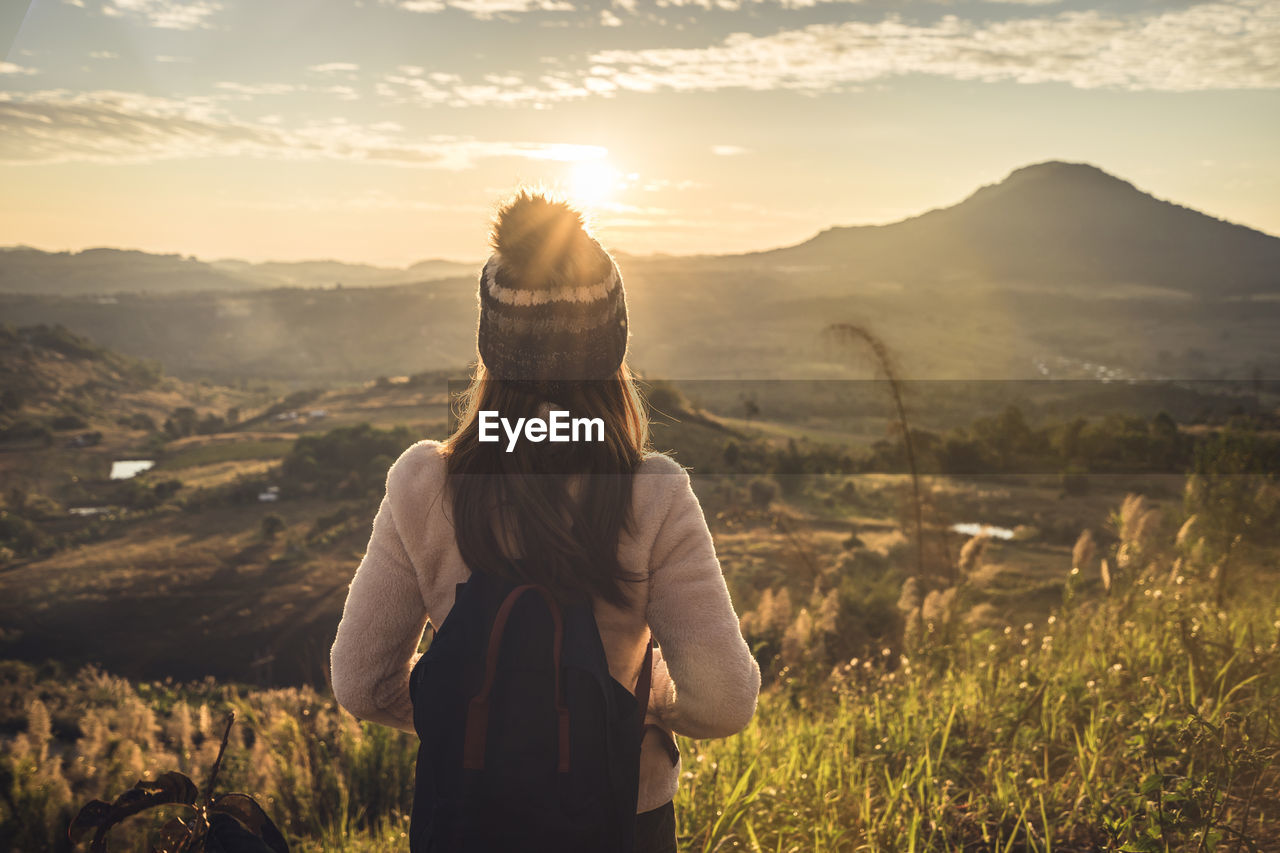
(1058, 225)
(1058, 174)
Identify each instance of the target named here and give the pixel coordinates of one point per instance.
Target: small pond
(123, 469)
(973, 528)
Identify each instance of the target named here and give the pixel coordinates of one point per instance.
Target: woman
(607, 518)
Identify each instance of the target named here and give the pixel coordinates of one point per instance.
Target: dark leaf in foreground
(232, 823)
(247, 811)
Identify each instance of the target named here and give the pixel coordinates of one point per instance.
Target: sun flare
(592, 183)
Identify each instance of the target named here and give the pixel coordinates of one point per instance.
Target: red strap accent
(478, 711)
(563, 765)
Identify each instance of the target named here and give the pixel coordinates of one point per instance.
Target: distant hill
(330, 273)
(43, 369)
(1055, 225)
(292, 334)
(1059, 271)
(104, 271)
(53, 377)
(113, 271)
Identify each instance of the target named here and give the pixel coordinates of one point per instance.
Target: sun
(592, 183)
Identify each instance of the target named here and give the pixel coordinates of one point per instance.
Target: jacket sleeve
(711, 679)
(381, 627)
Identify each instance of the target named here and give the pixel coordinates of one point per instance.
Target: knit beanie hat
(552, 307)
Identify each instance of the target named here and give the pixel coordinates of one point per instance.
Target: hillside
(1059, 272)
(105, 272)
(54, 377)
(1056, 225)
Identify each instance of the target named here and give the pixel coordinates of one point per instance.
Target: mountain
(330, 273)
(1059, 271)
(1056, 225)
(104, 272)
(54, 380)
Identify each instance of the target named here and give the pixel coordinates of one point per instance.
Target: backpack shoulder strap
(478, 710)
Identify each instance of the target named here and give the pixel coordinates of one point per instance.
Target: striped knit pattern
(535, 330)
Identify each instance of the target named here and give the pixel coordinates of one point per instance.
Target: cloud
(727, 150)
(608, 19)
(370, 200)
(11, 68)
(442, 89)
(737, 5)
(59, 126)
(255, 89)
(333, 67)
(1234, 44)
(482, 9)
(164, 14)
(103, 54)
(1217, 45)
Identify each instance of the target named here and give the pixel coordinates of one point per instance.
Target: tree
(1231, 493)
(272, 526)
(732, 453)
(763, 492)
(181, 423)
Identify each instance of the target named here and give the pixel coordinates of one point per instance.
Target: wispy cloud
(12, 68)
(333, 67)
(1220, 45)
(103, 54)
(737, 5)
(371, 200)
(482, 9)
(727, 150)
(164, 14)
(255, 89)
(444, 89)
(122, 127)
(1233, 44)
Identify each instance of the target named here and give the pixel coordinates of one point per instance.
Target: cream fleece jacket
(705, 680)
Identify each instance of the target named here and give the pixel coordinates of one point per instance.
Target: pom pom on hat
(552, 304)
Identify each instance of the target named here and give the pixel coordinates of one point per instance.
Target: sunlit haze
(387, 131)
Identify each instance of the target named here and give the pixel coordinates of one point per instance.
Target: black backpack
(527, 742)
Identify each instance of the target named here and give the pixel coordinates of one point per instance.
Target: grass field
(202, 453)
(985, 698)
(1139, 719)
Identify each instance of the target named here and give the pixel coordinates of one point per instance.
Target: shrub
(67, 421)
(763, 492)
(272, 525)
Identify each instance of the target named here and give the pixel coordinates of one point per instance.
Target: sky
(389, 131)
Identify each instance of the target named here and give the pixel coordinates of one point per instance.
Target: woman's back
(412, 567)
(601, 519)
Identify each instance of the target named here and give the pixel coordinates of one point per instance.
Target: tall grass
(1144, 719)
(1148, 722)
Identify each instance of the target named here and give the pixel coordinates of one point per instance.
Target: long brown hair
(568, 545)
